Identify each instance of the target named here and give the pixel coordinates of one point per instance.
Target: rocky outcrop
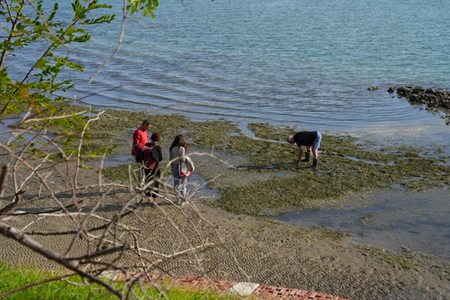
(421, 95)
(434, 99)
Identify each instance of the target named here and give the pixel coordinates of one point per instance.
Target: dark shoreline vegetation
(265, 180)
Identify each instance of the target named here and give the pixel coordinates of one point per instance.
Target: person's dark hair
(156, 137)
(179, 141)
(146, 122)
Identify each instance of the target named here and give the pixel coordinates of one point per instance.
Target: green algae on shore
(266, 181)
(344, 168)
(406, 260)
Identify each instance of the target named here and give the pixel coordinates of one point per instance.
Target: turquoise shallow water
(295, 62)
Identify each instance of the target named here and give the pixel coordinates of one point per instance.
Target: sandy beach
(248, 249)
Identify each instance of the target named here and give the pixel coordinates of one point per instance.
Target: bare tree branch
(81, 143)
(51, 118)
(3, 178)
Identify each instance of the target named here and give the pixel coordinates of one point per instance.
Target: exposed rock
(431, 97)
(393, 88)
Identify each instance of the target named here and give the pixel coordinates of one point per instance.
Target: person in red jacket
(140, 137)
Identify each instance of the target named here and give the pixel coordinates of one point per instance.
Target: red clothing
(140, 138)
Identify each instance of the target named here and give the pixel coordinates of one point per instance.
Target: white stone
(243, 288)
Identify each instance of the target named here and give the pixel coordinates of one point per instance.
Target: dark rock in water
(373, 88)
(431, 97)
(422, 95)
(431, 91)
(414, 98)
(418, 90)
(393, 88)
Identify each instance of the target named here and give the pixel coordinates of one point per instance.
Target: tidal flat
(355, 184)
(256, 174)
(251, 172)
(262, 178)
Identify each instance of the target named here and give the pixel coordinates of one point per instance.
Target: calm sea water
(292, 62)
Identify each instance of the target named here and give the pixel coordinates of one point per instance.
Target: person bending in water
(310, 140)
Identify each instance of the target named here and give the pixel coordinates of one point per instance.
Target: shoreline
(432, 130)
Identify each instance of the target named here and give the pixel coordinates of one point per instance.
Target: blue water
(291, 62)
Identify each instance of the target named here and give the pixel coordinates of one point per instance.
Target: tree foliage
(35, 92)
(26, 24)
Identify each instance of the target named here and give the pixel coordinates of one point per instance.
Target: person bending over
(311, 141)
